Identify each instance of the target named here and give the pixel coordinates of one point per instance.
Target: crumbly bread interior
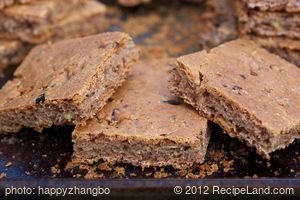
(139, 152)
(267, 23)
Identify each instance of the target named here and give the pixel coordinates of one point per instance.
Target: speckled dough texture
(273, 25)
(85, 20)
(286, 48)
(5, 3)
(268, 23)
(65, 82)
(32, 22)
(280, 42)
(143, 125)
(252, 94)
(132, 3)
(274, 5)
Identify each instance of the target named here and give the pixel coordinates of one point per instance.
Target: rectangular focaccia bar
(143, 124)
(252, 94)
(32, 22)
(85, 20)
(65, 82)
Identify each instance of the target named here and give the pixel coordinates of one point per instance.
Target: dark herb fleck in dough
(40, 99)
(237, 89)
(174, 102)
(115, 115)
(243, 76)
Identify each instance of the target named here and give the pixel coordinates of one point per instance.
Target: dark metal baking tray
(163, 28)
